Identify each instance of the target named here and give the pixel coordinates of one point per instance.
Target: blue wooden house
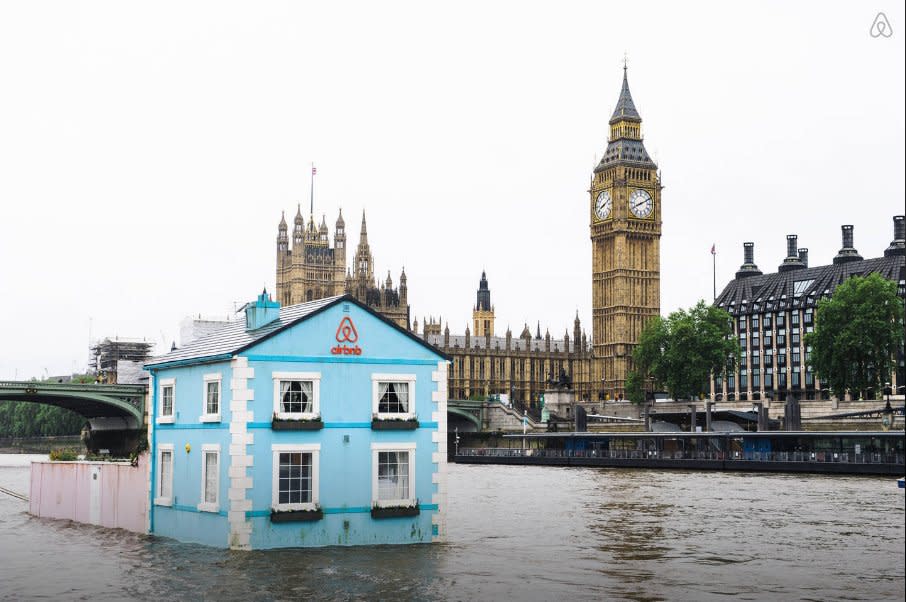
(310, 425)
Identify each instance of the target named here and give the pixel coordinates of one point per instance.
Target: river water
(515, 533)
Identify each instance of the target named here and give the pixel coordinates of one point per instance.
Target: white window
(164, 485)
(297, 394)
(167, 394)
(210, 412)
(295, 476)
(210, 478)
(393, 474)
(393, 395)
(800, 286)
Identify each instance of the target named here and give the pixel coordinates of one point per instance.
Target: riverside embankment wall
(108, 494)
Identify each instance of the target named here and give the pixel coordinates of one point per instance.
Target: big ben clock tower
(625, 215)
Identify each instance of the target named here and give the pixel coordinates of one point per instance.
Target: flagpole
(312, 189)
(714, 267)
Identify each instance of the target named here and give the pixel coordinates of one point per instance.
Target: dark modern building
(772, 313)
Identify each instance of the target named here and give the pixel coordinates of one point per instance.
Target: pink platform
(109, 494)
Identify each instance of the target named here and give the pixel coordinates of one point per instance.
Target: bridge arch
(91, 401)
(467, 415)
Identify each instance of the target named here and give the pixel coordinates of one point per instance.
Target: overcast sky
(147, 150)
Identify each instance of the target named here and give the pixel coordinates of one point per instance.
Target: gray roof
(625, 108)
(516, 344)
(625, 150)
(777, 291)
(233, 336)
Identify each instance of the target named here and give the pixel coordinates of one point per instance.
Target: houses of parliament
(624, 212)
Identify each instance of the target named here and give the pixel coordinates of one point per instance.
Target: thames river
(515, 533)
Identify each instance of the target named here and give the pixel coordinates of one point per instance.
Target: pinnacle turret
(625, 109)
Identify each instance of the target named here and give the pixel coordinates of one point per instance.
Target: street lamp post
(524, 428)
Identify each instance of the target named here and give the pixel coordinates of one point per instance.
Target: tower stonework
(625, 218)
(310, 269)
(483, 312)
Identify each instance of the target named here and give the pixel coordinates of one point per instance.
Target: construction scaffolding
(106, 355)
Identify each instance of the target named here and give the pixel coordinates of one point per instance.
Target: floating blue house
(310, 425)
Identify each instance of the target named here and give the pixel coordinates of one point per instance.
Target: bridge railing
(736, 456)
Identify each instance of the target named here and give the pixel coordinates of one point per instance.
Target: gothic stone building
(772, 313)
(625, 223)
(625, 229)
(484, 364)
(312, 269)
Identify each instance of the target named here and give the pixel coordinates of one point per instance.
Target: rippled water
(527, 533)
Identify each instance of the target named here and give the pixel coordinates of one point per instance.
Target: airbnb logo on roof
(346, 333)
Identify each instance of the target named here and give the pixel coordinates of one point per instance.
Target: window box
(394, 511)
(296, 516)
(290, 424)
(394, 424)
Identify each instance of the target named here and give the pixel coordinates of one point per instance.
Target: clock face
(640, 203)
(603, 205)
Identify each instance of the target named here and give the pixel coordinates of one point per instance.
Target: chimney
(792, 261)
(261, 312)
(748, 267)
(791, 245)
(847, 253)
(898, 244)
(803, 256)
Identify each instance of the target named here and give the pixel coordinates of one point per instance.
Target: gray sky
(147, 149)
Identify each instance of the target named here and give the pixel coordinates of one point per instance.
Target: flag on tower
(713, 249)
(314, 170)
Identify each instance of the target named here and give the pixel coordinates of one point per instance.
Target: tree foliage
(857, 333)
(681, 351)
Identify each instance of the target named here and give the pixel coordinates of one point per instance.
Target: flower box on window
(296, 516)
(394, 511)
(394, 424)
(297, 424)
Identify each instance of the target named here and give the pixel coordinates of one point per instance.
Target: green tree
(635, 387)
(857, 333)
(681, 351)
